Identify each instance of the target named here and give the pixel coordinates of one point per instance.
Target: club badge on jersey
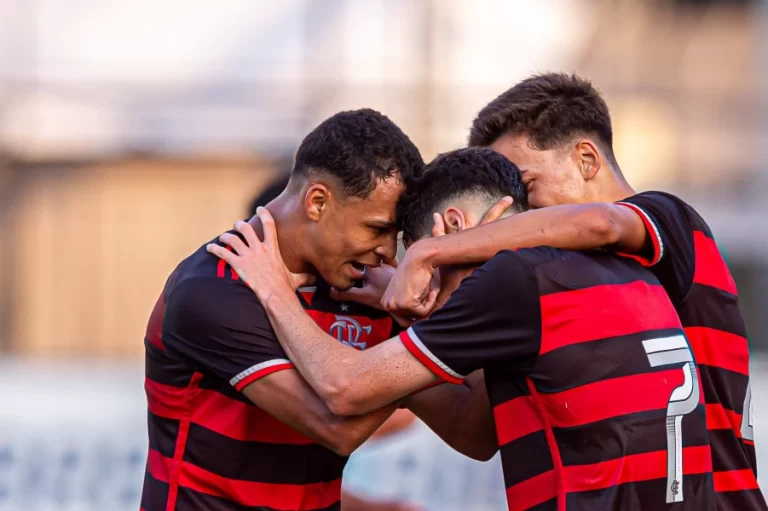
(349, 331)
(353, 324)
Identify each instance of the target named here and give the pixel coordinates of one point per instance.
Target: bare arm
(399, 421)
(459, 414)
(570, 226)
(287, 397)
(573, 226)
(350, 382)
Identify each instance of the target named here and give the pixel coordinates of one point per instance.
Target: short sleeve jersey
(582, 354)
(688, 263)
(210, 448)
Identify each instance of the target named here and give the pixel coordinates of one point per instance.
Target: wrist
(425, 253)
(278, 299)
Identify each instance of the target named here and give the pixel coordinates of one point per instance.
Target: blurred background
(132, 132)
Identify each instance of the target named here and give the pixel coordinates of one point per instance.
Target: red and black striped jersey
(689, 265)
(594, 389)
(209, 446)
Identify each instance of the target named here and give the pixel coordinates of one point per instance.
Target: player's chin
(342, 282)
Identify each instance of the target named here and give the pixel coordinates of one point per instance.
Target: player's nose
(387, 250)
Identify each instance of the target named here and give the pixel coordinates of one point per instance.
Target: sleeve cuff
(258, 371)
(413, 344)
(653, 232)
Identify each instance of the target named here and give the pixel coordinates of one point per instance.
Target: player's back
(611, 416)
(210, 446)
(689, 265)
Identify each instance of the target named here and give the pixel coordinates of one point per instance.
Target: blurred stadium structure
(131, 132)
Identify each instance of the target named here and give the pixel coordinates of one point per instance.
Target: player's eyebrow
(384, 224)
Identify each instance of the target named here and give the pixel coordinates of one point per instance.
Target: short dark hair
(359, 148)
(474, 170)
(549, 108)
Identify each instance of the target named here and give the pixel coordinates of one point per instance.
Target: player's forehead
(519, 149)
(381, 203)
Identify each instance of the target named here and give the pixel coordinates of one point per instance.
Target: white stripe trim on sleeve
(258, 367)
(645, 215)
(420, 345)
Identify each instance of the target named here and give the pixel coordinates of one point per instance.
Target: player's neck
(611, 190)
(287, 234)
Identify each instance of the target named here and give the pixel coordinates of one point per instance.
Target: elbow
(478, 451)
(339, 397)
(604, 224)
(343, 405)
(342, 439)
(343, 445)
(338, 439)
(482, 454)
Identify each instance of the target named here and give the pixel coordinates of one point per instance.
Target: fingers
(497, 210)
(222, 253)
(303, 279)
(270, 230)
(364, 295)
(233, 241)
(393, 262)
(248, 233)
(439, 228)
(352, 294)
(425, 309)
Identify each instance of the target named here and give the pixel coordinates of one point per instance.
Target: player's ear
(316, 201)
(588, 158)
(455, 220)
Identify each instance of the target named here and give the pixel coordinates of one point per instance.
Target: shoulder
(507, 271)
(670, 210)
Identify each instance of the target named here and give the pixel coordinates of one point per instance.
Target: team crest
(349, 331)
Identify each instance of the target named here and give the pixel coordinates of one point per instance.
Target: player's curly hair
(550, 109)
(359, 148)
(474, 171)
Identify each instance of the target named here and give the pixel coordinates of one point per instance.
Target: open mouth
(359, 267)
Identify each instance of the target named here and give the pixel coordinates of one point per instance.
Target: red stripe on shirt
(515, 419)
(181, 441)
(720, 418)
(611, 398)
(634, 468)
(164, 400)
(711, 269)
(155, 324)
(261, 374)
(276, 496)
(608, 473)
(554, 449)
(307, 295)
(224, 415)
(532, 492)
(424, 359)
(735, 480)
(159, 466)
(604, 311)
(220, 267)
(719, 349)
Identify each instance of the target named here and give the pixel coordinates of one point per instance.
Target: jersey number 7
(683, 400)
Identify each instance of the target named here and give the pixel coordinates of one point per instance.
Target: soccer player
(320, 298)
(557, 129)
(594, 389)
(232, 425)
